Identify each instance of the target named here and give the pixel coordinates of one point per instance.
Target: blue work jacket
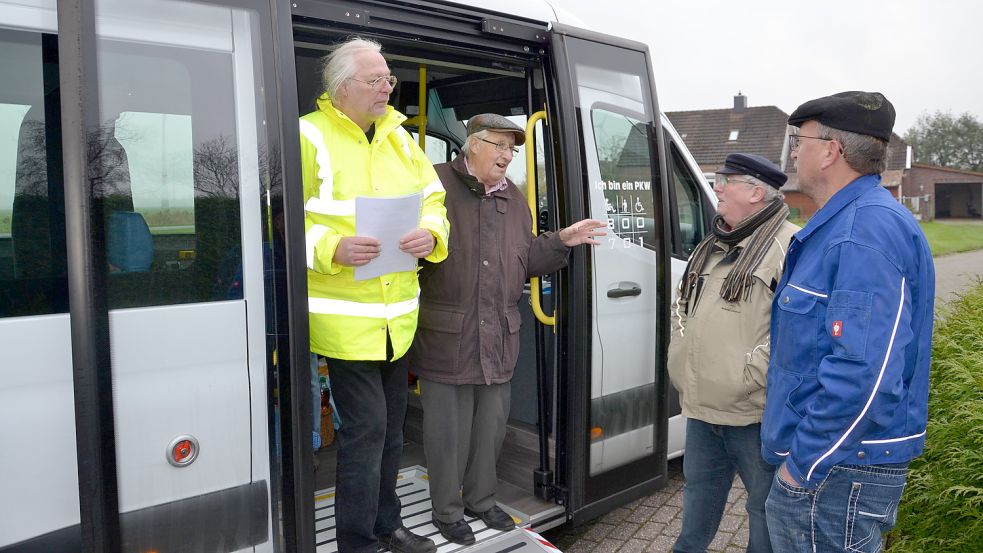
(851, 333)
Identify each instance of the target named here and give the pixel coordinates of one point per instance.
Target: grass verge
(946, 238)
(942, 508)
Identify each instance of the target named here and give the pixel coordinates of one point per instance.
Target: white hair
(340, 63)
(472, 142)
(771, 193)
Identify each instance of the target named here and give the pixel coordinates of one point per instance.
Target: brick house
(933, 192)
(712, 134)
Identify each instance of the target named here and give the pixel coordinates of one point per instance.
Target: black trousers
(371, 401)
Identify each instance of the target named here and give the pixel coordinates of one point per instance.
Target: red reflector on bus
(182, 451)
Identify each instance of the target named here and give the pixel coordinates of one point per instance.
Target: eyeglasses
(793, 140)
(724, 180)
(376, 83)
(501, 147)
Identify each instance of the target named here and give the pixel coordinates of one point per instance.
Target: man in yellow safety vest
(353, 146)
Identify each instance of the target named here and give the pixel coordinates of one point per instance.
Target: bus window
(688, 205)
(438, 149)
(32, 231)
(626, 169)
(36, 395)
(167, 153)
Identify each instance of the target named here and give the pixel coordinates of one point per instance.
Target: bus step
(414, 494)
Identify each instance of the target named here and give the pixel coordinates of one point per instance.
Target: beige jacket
(719, 351)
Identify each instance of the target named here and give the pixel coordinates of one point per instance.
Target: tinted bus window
(168, 173)
(688, 204)
(626, 172)
(32, 227)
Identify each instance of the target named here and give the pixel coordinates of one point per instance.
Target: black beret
(756, 166)
(867, 113)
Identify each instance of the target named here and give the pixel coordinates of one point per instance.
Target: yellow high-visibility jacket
(350, 319)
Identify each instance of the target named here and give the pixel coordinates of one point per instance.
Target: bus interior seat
(129, 245)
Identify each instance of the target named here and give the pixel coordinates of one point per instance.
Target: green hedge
(942, 508)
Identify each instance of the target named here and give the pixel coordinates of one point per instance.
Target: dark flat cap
(867, 113)
(496, 123)
(756, 166)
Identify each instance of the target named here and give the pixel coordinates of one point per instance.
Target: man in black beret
(718, 353)
(851, 338)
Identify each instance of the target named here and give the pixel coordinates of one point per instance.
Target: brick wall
(950, 192)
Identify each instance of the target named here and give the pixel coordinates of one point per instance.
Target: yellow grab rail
(420, 119)
(532, 196)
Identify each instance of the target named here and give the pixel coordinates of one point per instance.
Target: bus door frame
(587, 497)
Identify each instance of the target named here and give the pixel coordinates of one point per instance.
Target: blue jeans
(714, 453)
(371, 397)
(849, 511)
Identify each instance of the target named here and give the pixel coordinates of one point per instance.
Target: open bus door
(141, 142)
(612, 425)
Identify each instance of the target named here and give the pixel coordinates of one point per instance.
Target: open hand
(582, 232)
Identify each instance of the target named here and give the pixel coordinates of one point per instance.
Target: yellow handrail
(532, 196)
(420, 119)
(422, 128)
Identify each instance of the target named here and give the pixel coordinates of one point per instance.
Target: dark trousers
(371, 400)
(463, 430)
(713, 454)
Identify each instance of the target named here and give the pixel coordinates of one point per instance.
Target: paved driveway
(653, 523)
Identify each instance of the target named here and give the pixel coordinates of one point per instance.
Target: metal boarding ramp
(414, 494)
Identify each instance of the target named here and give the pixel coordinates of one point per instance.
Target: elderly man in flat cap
(851, 334)
(718, 353)
(467, 342)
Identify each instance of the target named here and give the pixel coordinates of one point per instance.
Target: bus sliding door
(178, 155)
(615, 429)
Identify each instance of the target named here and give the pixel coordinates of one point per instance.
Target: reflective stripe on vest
(324, 203)
(403, 135)
(311, 239)
(435, 187)
(324, 306)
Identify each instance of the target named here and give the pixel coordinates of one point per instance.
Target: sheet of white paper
(387, 219)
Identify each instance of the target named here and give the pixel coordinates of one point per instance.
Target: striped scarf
(761, 227)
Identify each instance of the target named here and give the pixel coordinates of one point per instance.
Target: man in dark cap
(467, 342)
(718, 354)
(851, 334)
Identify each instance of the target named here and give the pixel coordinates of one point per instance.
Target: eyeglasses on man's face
(724, 180)
(501, 146)
(376, 83)
(794, 139)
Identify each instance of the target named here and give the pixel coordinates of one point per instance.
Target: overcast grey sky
(923, 55)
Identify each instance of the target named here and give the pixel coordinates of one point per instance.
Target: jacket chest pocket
(848, 321)
(799, 314)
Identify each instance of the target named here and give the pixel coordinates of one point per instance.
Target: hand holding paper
(357, 250)
(418, 243)
(393, 223)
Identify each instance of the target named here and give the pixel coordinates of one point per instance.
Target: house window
(733, 135)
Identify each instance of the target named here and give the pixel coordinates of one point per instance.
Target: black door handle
(624, 292)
